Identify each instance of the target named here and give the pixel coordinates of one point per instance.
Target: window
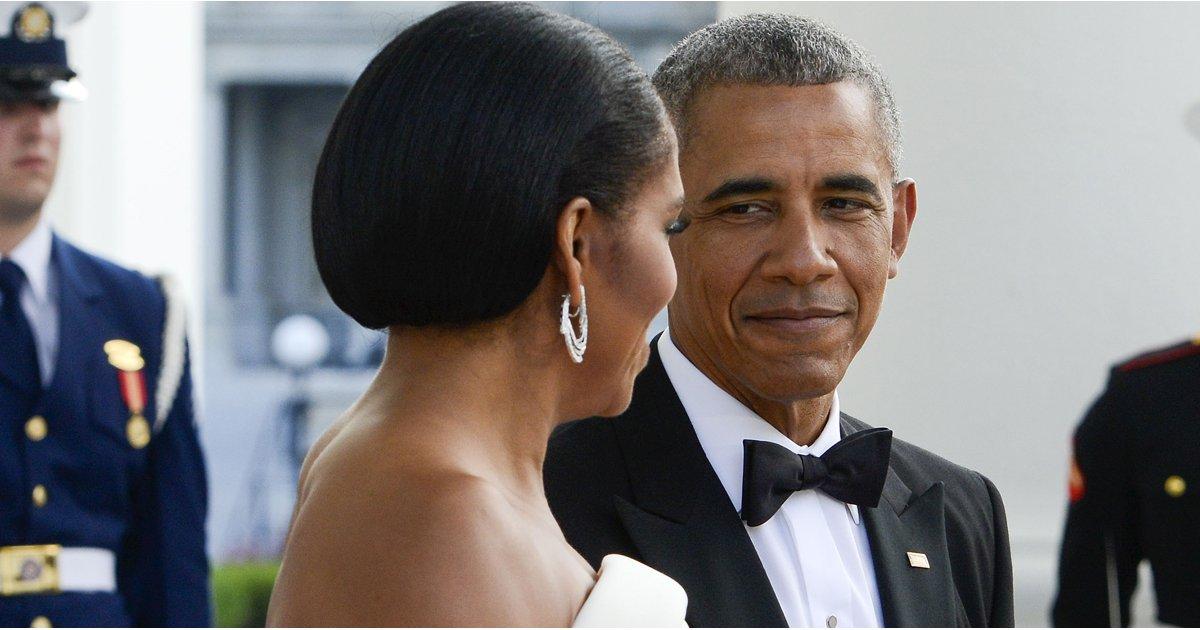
(275, 127)
(275, 136)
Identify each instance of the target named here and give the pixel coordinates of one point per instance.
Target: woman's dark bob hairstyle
(438, 193)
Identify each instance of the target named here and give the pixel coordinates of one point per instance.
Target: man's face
(796, 228)
(29, 141)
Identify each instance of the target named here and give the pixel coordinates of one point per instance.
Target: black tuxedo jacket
(640, 485)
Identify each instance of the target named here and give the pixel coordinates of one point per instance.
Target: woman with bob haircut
(497, 192)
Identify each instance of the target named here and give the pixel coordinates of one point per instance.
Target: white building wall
(129, 183)
(1056, 232)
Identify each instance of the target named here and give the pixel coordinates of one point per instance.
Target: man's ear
(904, 212)
(571, 244)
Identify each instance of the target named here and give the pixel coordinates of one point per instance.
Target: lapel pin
(918, 560)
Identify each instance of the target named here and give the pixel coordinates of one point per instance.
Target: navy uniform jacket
(1135, 493)
(146, 505)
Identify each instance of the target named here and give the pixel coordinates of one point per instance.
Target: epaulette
(1164, 355)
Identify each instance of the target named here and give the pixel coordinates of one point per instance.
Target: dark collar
(74, 275)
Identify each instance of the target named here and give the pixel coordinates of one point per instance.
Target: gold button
(35, 428)
(39, 495)
(1175, 486)
(41, 622)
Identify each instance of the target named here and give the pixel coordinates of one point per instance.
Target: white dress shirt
(39, 297)
(814, 549)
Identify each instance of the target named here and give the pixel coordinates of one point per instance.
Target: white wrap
(629, 594)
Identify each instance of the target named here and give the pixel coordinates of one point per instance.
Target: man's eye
(746, 208)
(846, 205)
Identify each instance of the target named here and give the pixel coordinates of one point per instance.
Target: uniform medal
(127, 358)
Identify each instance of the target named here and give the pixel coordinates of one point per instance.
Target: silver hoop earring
(576, 346)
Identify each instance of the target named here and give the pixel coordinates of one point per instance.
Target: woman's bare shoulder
(314, 453)
(401, 544)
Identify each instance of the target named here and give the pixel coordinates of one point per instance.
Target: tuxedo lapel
(680, 519)
(912, 595)
(905, 523)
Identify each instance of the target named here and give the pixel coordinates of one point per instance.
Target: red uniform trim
(1076, 485)
(1185, 349)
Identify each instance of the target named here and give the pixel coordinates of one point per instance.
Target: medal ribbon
(133, 390)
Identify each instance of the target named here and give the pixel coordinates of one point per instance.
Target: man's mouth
(32, 162)
(797, 320)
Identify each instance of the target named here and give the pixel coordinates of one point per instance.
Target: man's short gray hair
(773, 49)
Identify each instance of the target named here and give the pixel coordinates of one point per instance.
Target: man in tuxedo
(734, 471)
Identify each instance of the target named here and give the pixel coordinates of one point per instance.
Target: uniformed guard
(102, 485)
(1135, 494)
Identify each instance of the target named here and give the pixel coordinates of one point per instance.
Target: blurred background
(1056, 149)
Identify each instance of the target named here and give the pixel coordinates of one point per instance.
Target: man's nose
(35, 122)
(798, 251)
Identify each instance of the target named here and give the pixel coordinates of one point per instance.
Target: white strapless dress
(629, 594)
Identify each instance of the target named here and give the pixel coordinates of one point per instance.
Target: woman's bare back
(391, 529)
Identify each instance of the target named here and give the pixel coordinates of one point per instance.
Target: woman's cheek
(667, 278)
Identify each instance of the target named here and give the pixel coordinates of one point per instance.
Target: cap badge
(34, 24)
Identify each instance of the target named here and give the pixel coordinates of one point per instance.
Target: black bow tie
(851, 471)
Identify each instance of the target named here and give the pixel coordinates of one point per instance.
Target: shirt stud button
(831, 622)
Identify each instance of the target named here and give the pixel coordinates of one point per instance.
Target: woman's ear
(571, 243)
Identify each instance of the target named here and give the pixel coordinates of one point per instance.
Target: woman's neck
(479, 398)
